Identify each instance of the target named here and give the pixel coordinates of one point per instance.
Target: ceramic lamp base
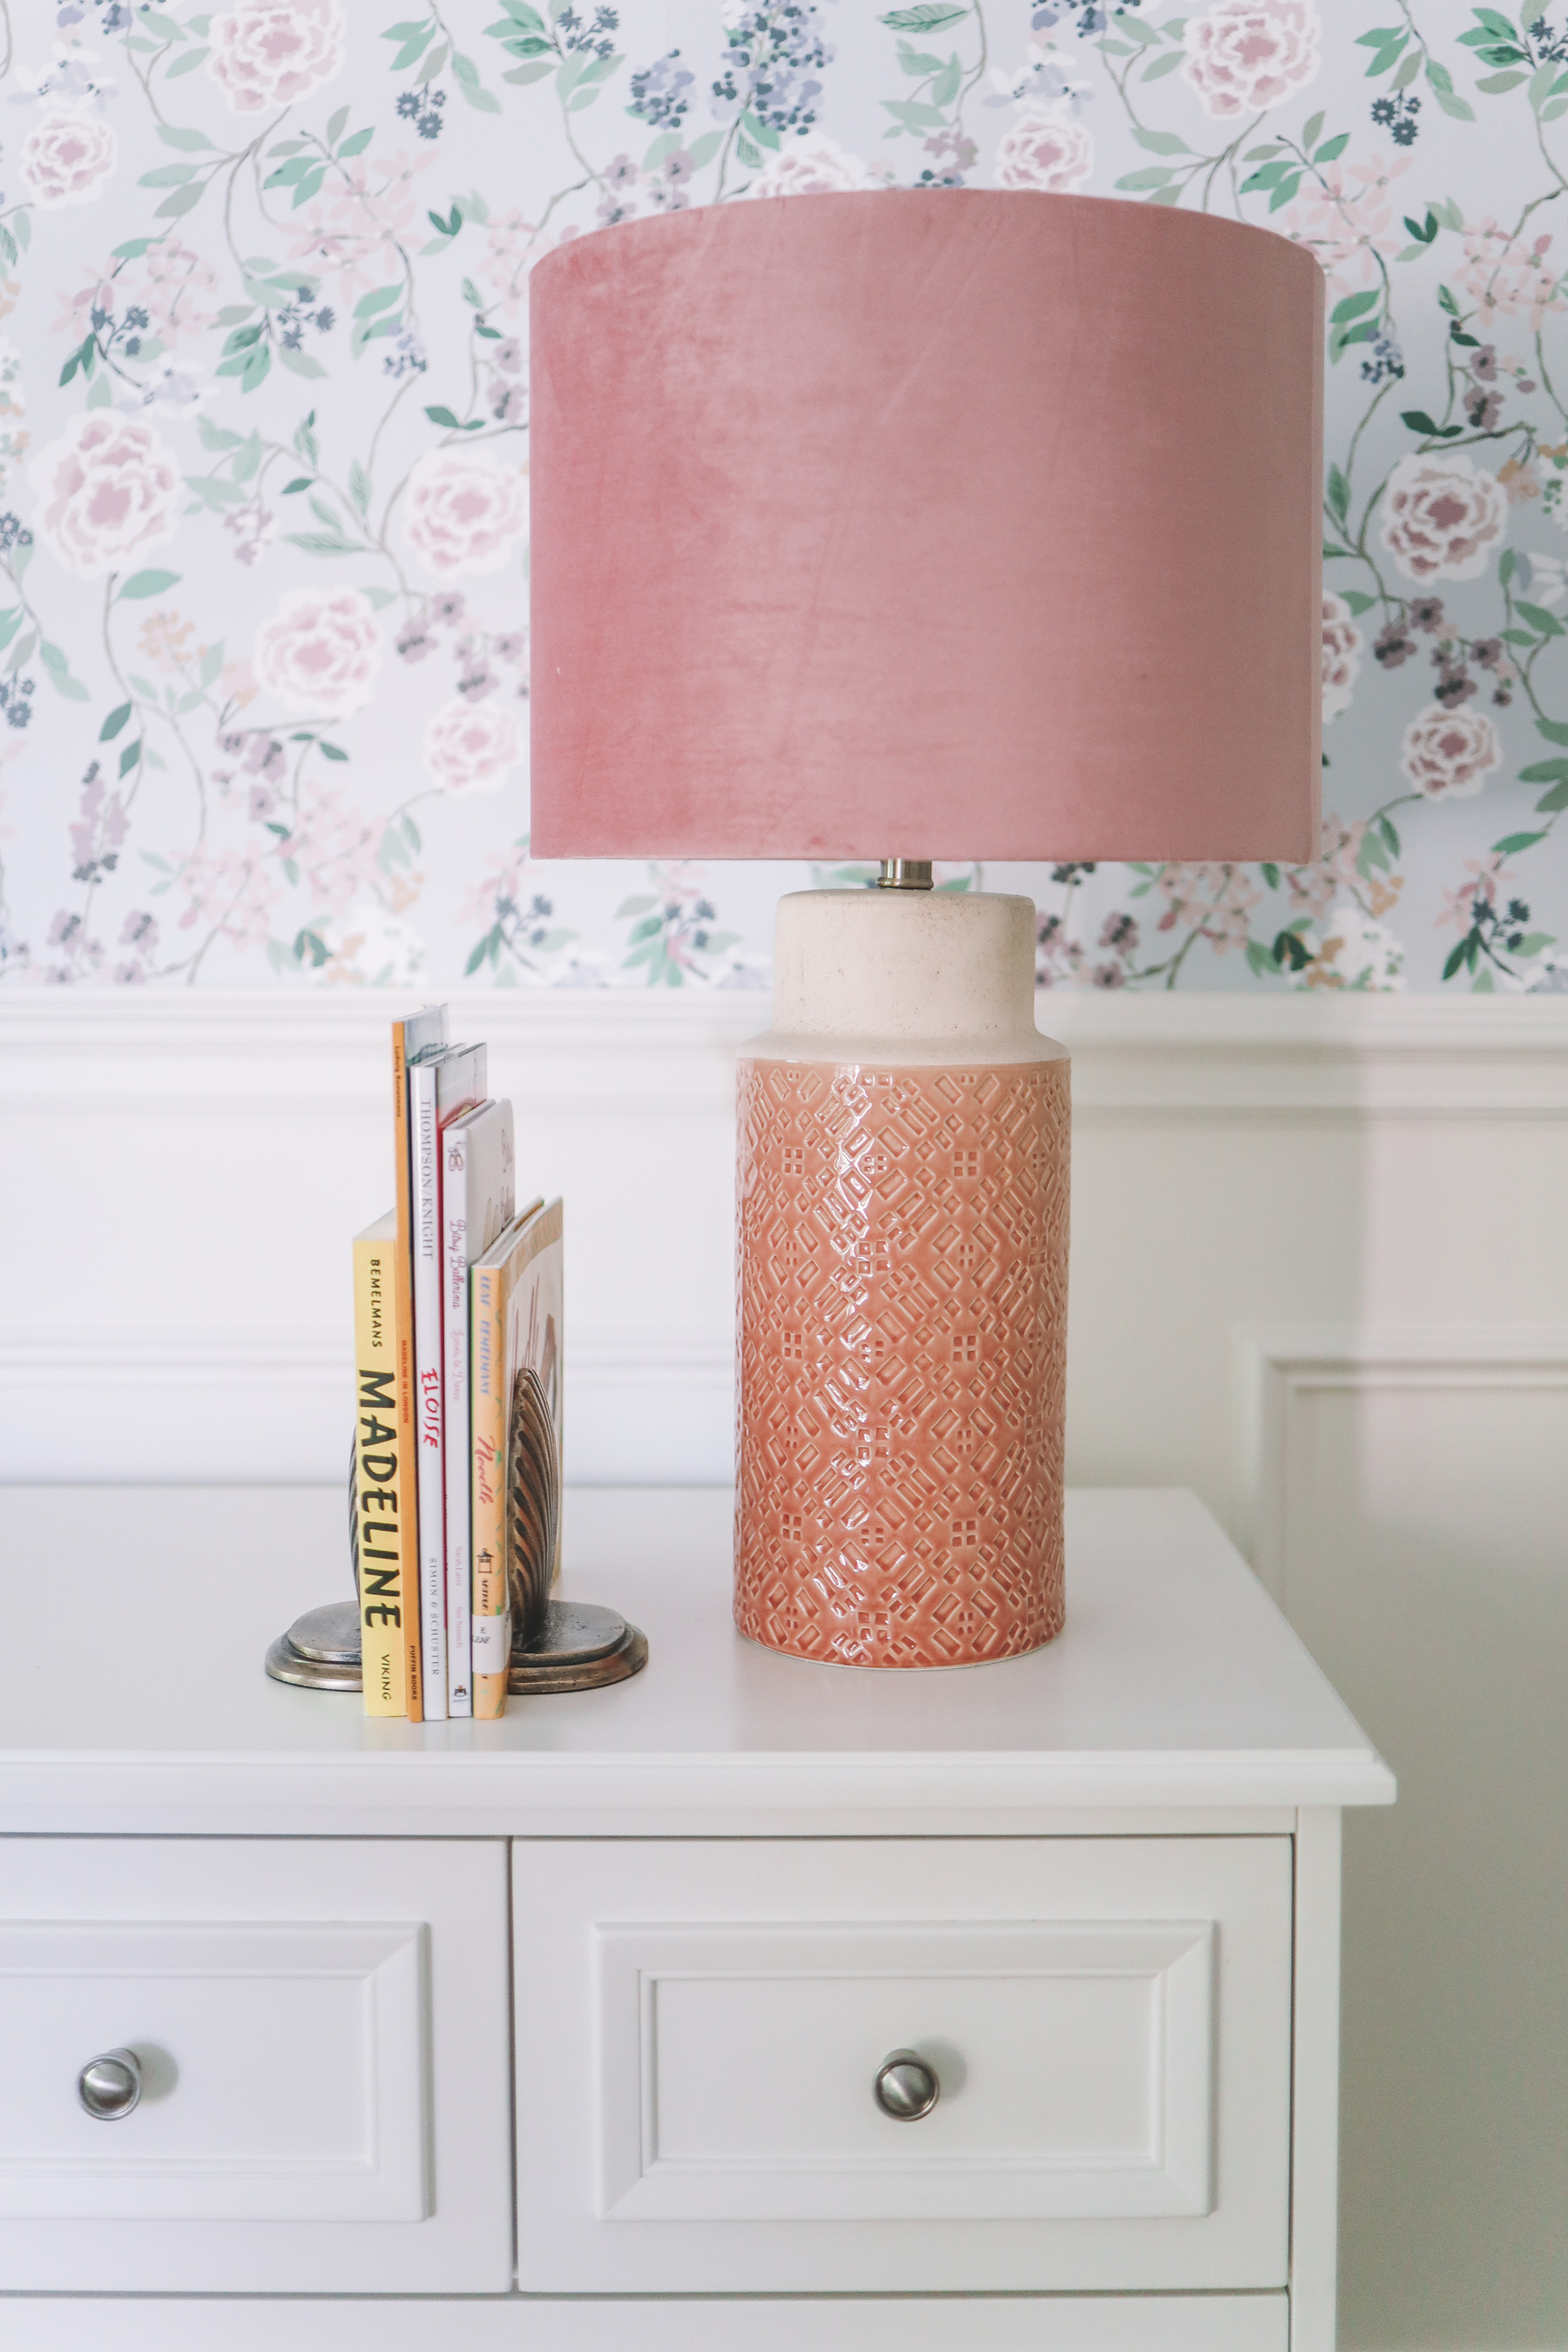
(903, 1172)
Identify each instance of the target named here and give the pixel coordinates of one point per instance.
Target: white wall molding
(183, 1172)
(1297, 1056)
(1282, 1365)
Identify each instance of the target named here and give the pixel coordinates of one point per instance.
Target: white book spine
(424, 1157)
(457, 1251)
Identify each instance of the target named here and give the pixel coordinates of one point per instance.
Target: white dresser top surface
(137, 1621)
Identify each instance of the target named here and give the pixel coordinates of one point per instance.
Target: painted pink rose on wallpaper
(1347, 215)
(68, 156)
(469, 747)
(463, 512)
(1509, 278)
(1342, 656)
(108, 490)
(1044, 150)
(269, 53)
(1447, 755)
(1442, 519)
(1247, 55)
(816, 166)
(319, 652)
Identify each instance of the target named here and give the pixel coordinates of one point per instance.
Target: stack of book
(457, 1314)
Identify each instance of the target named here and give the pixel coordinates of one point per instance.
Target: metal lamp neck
(905, 874)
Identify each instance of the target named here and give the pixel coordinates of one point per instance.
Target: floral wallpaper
(263, 457)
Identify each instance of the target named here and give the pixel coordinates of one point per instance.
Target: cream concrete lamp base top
(904, 978)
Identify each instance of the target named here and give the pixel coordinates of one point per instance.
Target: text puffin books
(386, 1554)
(515, 1379)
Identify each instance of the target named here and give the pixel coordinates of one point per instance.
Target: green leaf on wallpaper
(1408, 72)
(912, 112)
(1163, 142)
(1257, 155)
(1330, 551)
(1544, 624)
(1386, 827)
(1167, 64)
(178, 134)
(918, 61)
(1358, 600)
(412, 46)
(212, 664)
(1147, 36)
(1332, 149)
(535, 71)
(288, 174)
(1154, 175)
(22, 655)
(443, 416)
(146, 584)
(184, 200)
(317, 543)
(357, 144)
(1353, 306)
(1545, 771)
(130, 757)
(1552, 728)
(114, 722)
(167, 175)
(432, 65)
(1558, 106)
(703, 150)
(1337, 490)
(300, 362)
(330, 750)
(1310, 129)
(1446, 303)
(1550, 802)
(358, 487)
(1419, 421)
(1271, 874)
(1495, 84)
(1513, 842)
(751, 157)
(944, 89)
(930, 18)
(1268, 175)
(186, 63)
(1260, 961)
(1516, 636)
(638, 906)
(377, 299)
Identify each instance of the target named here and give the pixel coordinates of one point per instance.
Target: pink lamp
(961, 525)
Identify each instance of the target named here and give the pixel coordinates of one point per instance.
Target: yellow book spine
(487, 1390)
(383, 1550)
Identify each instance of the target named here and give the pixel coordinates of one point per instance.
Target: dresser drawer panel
(1105, 2022)
(320, 2029)
(1073, 2066)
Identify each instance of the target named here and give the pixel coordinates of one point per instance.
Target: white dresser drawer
(321, 2029)
(700, 2024)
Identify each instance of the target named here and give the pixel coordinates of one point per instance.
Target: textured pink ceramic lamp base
(902, 1289)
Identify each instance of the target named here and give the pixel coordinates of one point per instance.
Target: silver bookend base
(578, 1647)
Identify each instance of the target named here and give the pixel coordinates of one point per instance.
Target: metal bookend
(564, 1645)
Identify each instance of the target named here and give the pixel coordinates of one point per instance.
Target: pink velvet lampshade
(944, 524)
(915, 526)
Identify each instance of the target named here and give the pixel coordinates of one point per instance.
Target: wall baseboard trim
(190, 1408)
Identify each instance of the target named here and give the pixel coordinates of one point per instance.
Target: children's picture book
(441, 1085)
(420, 1035)
(516, 1291)
(477, 1201)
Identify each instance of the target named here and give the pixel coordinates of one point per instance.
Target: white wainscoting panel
(1410, 1493)
(182, 1174)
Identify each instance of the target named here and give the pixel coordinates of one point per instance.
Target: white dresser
(577, 2023)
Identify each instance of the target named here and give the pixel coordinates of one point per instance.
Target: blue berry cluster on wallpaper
(263, 454)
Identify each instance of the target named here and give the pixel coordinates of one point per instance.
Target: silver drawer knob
(906, 2088)
(109, 2086)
